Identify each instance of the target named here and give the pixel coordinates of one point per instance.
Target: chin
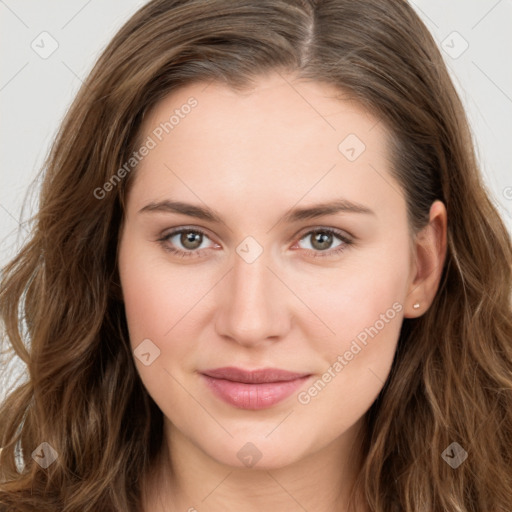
(258, 452)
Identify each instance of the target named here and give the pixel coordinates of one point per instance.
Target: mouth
(256, 389)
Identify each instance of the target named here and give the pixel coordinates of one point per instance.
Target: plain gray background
(36, 87)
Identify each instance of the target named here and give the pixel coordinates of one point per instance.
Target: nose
(252, 303)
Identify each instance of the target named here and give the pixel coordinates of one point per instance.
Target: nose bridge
(251, 281)
(251, 310)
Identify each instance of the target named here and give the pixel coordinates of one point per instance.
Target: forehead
(276, 104)
(292, 136)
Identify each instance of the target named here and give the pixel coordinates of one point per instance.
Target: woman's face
(249, 177)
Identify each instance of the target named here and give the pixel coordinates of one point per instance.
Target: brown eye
(185, 241)
(322, 239)
(322, 242)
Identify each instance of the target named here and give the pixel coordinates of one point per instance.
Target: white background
(35, 92)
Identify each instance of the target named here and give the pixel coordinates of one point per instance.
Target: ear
(429, 254)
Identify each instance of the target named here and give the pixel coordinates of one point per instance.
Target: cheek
(365, 309)
(156, 295)
(356, 371)
(365, 316)
(147, 305)
(354, 296)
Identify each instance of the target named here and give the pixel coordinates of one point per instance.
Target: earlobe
(430, 255)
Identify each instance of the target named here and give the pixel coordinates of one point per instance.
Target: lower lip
(253, 396)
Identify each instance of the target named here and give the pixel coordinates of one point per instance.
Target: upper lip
(253, 376)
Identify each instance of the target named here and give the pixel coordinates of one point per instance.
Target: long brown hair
(62, 309)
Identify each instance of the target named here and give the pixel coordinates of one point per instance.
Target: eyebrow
(292, 215)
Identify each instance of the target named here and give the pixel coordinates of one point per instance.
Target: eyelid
(166, 235)
(342, 234)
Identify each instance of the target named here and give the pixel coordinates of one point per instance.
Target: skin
(252, 157)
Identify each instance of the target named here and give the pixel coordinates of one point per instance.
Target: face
(289, 250)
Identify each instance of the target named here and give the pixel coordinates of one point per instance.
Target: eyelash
(316, 254)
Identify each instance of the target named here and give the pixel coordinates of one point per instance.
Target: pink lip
(257, 389)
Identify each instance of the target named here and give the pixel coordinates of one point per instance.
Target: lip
(253, 389)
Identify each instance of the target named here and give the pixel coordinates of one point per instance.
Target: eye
(321, 240)
(187, 242)
(189, 239)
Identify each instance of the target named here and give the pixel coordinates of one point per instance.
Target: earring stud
(416, 306)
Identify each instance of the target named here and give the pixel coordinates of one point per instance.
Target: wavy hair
(61, 304)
